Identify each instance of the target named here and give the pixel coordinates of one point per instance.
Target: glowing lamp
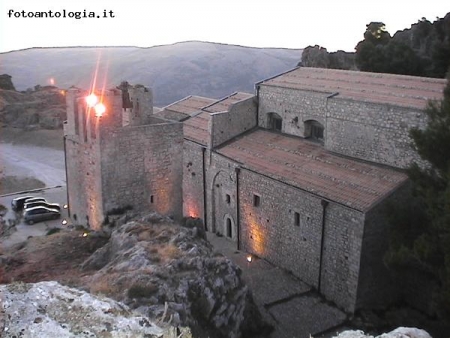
(65, 206)
(249, 258)
(91, 100)
(99, 109)
(64, 222)
(85, 234)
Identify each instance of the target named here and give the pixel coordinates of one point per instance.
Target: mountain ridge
(172, 71)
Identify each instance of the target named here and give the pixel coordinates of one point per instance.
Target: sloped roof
(196, 127)
(185, 107)
(225, 103)
(399, 90)
(308, 166)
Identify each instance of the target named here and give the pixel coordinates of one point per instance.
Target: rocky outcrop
(43, 108)
(319, 57)
(401, 332)
(171, 273)
(49, 309)
(6, 83)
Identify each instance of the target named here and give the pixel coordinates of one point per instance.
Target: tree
(377, 34)
(420, 236)
(370, 54)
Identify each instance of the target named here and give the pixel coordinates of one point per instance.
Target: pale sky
(333, 24)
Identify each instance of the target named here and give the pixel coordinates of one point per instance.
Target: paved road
(45, 164)
(291, 306)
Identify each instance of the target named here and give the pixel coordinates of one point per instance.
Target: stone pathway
(291, 306)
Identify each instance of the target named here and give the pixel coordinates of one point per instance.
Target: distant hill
(172, 71)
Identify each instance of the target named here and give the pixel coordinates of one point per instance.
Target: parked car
(35, 199)
(17, 203)
(32, 204)
(38, 214)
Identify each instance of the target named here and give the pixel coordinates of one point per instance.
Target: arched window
(314, 130)
(275, 122)
(229, 228)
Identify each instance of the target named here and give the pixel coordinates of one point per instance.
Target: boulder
(401, 332)
(49, 309)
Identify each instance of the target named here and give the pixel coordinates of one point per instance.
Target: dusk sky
(258, 23)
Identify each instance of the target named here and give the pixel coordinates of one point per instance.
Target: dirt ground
(39, 138)
(10, 184)
(51, 257)
(30, 159)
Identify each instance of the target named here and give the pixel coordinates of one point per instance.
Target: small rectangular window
(228, 198)
(256, 200)
(297, 219)
(151, 199)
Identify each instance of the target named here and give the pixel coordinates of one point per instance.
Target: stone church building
(298, 173)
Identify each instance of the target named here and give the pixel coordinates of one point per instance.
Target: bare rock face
(49, 309)
(319, 57)
(44, 108)
(401, 332)
(6, 83)
(170, 273)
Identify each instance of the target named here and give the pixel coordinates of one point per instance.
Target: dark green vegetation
(423, 50)
(420, 234)
(171, 71)
(52, 231)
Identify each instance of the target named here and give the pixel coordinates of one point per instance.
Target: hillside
(172, 71)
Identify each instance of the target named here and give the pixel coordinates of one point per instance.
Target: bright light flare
(99, 109)
(85, 234)
(52, 81)
(249, 258)
(64, 222)
(91, 100)
(65, 206)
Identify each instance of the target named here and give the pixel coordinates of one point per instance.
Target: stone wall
(373, 132)
(240, 117)
(193, 193)
(84, 189)
(286, 229)
(222, 197)
(294, 106)
(142, 168)
(343, 233)
(111, 166)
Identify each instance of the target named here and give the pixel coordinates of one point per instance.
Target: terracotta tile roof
(196, 128)
(399, 90)
(225, 103)
(310, 167)
(186, 107)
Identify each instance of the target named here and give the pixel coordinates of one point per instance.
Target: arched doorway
(229, 228)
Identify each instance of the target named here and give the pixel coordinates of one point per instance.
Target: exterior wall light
(99, 109)
(249, 258)
(91, 100)
(65, 206)
(64, 222)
